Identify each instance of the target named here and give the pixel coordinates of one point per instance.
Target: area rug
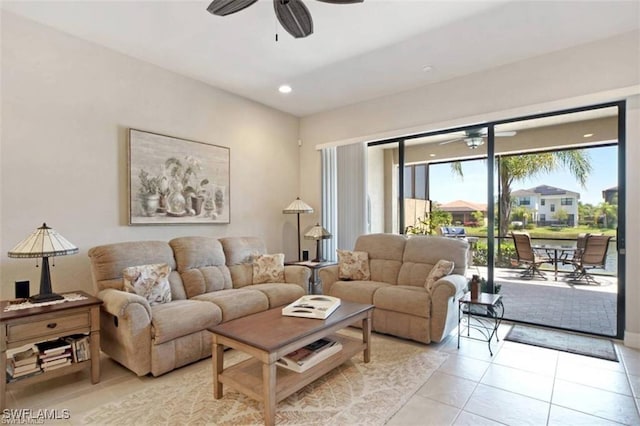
(563, 341)
(354, 393)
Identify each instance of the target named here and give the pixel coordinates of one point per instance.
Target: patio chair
(527, 256)
(576, 255)
(574, 260)
(594, 256)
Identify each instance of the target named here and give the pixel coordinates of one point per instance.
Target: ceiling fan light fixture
(474, 142)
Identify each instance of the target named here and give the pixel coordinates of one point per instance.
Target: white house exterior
(545, 201)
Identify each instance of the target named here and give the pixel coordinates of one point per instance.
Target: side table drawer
(58, 325)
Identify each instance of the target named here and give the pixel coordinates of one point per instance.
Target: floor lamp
(298, 206)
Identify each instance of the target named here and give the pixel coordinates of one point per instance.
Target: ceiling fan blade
(451, 140)
(294, 17)
(227, 7)
(506, 133)
(341, 1)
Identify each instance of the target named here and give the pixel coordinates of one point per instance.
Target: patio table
(558, 253)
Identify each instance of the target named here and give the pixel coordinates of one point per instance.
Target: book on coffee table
(307, 356)
(312, 306)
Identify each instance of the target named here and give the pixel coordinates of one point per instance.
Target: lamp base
(41, 298)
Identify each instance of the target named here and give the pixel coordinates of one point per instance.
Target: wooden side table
(32, 325)
(314, 281)
(483, 314)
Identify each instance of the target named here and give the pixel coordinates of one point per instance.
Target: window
(542, 202)
(415, 181)
(566, 201)
(420, 187)
(553, 207)
(525, 201)
(408, 182)
(543, 218)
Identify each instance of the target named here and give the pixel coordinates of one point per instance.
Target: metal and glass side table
(483, 315)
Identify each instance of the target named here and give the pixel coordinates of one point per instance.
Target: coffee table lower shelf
(246, 376)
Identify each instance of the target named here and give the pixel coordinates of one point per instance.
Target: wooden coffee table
(268, 336)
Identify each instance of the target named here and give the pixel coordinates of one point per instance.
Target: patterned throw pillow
(149, 281)
(353, 265)
(439, 270)
(268, 268)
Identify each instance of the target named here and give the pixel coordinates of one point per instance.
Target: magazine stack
(23, 363)
(306, 357)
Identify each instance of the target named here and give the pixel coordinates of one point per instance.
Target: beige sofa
(399, 267)
(211, 282)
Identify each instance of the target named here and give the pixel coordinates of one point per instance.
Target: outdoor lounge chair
(453, 231)
(593, 257)
(528, 257)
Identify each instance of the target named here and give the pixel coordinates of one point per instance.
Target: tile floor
(525, 385)
(519, 385)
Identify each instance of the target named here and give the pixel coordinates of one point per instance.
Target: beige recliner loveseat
(211, 282)
(398, 268)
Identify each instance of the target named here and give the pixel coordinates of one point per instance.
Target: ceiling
(357, 52)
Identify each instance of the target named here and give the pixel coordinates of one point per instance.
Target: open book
(312, 306)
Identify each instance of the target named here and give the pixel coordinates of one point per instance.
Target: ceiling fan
(293, 15)
(475, 137)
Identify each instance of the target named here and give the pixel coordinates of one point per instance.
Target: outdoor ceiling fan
(475, 137)
(293, 15)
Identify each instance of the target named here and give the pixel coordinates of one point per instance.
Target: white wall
(632, 331)
(66, 108)
(606, 70)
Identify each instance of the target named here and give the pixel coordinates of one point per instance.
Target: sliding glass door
(556, 176)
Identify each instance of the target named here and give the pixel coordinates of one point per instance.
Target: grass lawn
(547, 232)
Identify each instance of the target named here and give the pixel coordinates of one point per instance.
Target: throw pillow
(439, 270)
(149, 281)
(353, 265)
(268, 268)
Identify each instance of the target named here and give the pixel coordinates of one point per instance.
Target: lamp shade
(43, 242)
(317, 233)
(298, 206)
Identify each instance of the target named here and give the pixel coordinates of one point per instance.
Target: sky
(473, 187)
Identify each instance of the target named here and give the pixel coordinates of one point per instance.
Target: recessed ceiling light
(587, 135)
(427, 68)
(432, 155)
(285, 88)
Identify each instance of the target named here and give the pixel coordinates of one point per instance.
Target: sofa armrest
(125, 329)
(449, 286)
(124, 305)
(296, 274)
(328, 275)
(444, 306)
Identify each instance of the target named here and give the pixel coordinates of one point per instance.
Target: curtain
(344, 195)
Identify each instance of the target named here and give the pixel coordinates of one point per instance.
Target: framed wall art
(176, 181)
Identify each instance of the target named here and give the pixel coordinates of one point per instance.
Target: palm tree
(607, 212)
(516, 168)
(520, 167)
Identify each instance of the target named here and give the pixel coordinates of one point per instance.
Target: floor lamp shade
(297, 207)
(44, 242)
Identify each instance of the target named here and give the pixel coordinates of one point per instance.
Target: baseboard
(632, 340)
